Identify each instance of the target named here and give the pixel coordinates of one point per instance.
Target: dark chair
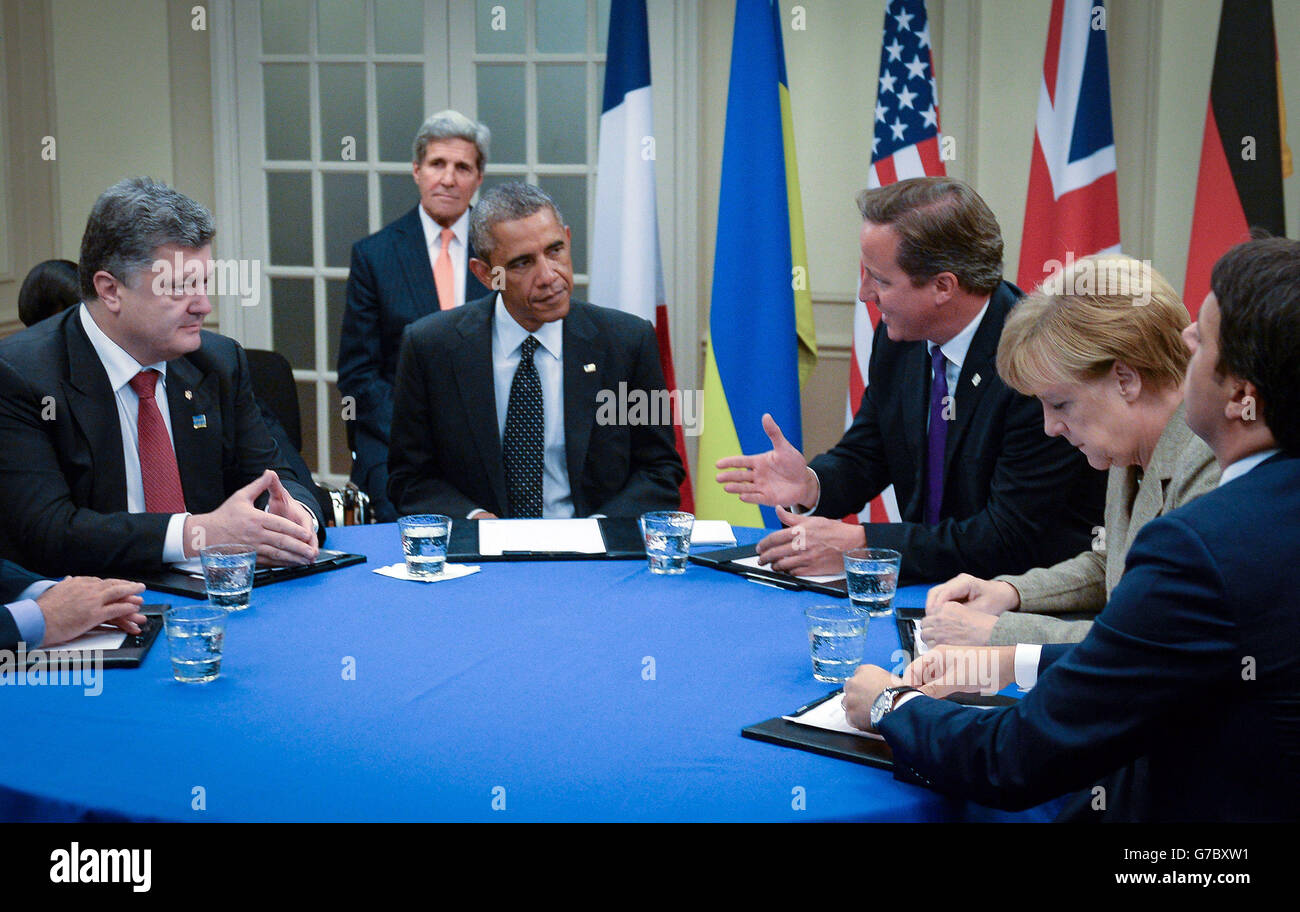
(273, 383)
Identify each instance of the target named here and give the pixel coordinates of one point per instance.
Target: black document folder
(726, 558)
(129, 655)
(868, 750)
(178, 582)
(622, 536)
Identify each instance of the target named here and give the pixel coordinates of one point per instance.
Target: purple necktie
(938, 437)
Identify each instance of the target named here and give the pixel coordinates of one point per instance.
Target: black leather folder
(622, 535)
(867, 750)
(725, 559)
(129, 655)
(178, 582)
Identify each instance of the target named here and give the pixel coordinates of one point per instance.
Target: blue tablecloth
(582, 690)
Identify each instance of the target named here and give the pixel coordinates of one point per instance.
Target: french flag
(626, 269)
(1073, 204)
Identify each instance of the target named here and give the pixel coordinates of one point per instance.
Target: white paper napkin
(449, 572)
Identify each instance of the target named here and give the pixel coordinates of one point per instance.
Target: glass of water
(424, 542)
(872, 577)
(837, 635)
(195, 636)
(228, 575)
(667, 538)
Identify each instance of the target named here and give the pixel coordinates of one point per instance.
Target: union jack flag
(1073, 203)
(905, 144)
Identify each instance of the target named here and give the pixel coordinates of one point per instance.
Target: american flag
(1073, 202)
(905, 144)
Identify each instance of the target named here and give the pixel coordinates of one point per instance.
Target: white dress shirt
(458, 249)
(1027, 656)
(507, 339)
(121, 367)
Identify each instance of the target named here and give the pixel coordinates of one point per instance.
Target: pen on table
(803, 709)
(774, 583)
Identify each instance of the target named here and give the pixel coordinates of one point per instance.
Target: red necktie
(162, 480)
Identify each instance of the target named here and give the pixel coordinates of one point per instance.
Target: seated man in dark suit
(495, 410)
(1184, 698)
(978, 482)
(410, 268)
(40, 612)
(128, 436)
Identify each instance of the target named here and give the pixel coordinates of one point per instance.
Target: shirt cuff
(797, 509)
(315, 523)
(174, 543)
(905, 697)
(1027, 656)
(28, 616)
(475, 512)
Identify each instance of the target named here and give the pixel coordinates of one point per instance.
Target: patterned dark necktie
(938, 437)
(522, 443)
(158, 471)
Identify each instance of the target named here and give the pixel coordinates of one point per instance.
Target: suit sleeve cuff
(28, 617)
(1027, 656)
(798, 509)
(174, 542)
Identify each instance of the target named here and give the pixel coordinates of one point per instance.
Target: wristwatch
(884, 703)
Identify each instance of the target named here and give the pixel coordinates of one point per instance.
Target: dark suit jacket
(61, 464)
(1185, 693)
(446, 452)
(390, 286)
(1013, 498)
(13, 580)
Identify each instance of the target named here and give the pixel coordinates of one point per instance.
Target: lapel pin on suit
(200, 421)
(189, 394)
(975, 381)
(589, 368)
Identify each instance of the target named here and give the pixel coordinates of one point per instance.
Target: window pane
(602, 27)
(399, 26)
(307, 408)
(293, 321)
(397, 194)
(570, 194)
(502, 31)
(346, 215)
(340, 27)
(343, 112)
(336, 295)
(561, 26)
(288, 131)
(501, 107)
(562, 114)
(284, 26)
(288, 215)
(339, 455)
(399, 92)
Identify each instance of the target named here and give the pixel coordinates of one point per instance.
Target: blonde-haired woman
(1100, 344)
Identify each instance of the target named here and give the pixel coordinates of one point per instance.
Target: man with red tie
(415, 266)
(129, 437)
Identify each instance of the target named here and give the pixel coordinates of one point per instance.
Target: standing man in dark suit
(498, 404)
(128, 436)
(979, 483)
(1185, 694)
(410, 268)
(39, 612)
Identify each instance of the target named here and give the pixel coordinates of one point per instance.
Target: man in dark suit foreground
(496, 405)
(41, 612)
(414, 266)
(1185, 695)
(978, 482)
(128, 436)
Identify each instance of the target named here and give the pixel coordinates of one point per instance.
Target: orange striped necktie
(443, 276)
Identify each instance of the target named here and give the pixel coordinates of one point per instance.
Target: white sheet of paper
(753, 562)
(830, 716)
(98, 638)
(579, 536)
(712, 532)
(449, 572)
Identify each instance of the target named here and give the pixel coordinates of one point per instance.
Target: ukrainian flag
(761, 345)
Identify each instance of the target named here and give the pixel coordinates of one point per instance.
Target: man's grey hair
(452, 125)
(506, 202)
(130, 221)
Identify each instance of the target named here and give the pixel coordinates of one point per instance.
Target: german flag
(1244, 155)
